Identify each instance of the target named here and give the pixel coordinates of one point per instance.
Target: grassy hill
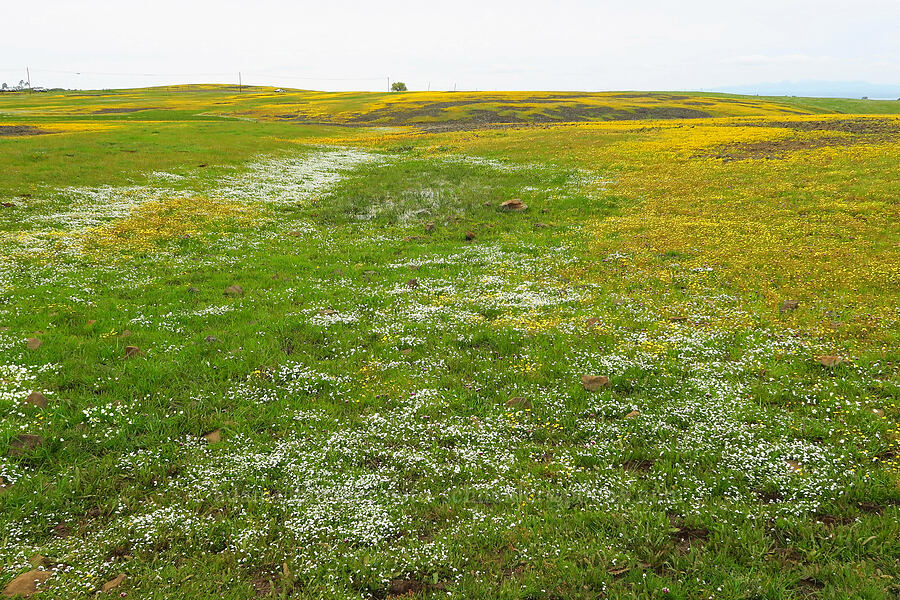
(471, 345)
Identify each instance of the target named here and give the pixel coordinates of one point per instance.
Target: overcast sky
(484, 44)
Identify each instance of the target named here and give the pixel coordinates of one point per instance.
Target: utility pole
(389, 83)
(28, 78)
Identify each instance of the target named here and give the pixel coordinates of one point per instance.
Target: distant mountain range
(820, 89)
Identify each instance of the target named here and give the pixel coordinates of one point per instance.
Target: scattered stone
(788, 305)
(514, 205)
(193, 290)
(830, 361)
(412, 283)
(295, 233)
(878, 412)
(633, 414)
(37, 399)
(470, 235)
(678, 319)
(7, 204)
(213, 437)
(406, 351)
(429, 227)
(211, 339)
(33, 343)
(91, 322)
(234, 290)
(113, 583)
(125, 334)
(541, 226)
(23, 443)
(592, 322)
(338, 272)
(324, 312)
(793, 465)
(132, 351)
(26, 584)
(592, 383)
(519, 402)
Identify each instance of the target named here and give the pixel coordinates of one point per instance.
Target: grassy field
(293, 345)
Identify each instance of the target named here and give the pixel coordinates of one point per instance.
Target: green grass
(361, 385)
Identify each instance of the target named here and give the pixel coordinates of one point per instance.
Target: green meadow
(518, 345)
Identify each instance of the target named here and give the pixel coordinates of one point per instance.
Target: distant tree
(5, 87)
(398, 86)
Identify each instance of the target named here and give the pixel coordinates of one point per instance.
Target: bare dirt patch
(14, 130)
(857, 126)
(855, 131)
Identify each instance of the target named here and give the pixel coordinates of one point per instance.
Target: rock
(406, 351)
(514, 205)
(429, 227)
(26, 584)
(213, 437)
(470, 235)
(8, 204)
(33, 343)
(633, 414)
(91, 322)
(592, 383)
(830, 361)
(211, 339)
(541, 226)
(24, 443)
(37, 399)
(125, 334)
(788, 305)
(39, 561)
(324, 312)
(878, 412)
(113, 583)
(193, 290)
(412, 283)
(592, 322)
(234, 290)
(519, 402)
(132, 351)
(793, 465)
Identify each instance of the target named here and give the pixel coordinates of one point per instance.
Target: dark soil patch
(406, 587)
(858, 126)
(686, 538)
(861, 130)
(639, 466)
(769, 497)
(809, 587)
(831, 520)
(12, 130)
